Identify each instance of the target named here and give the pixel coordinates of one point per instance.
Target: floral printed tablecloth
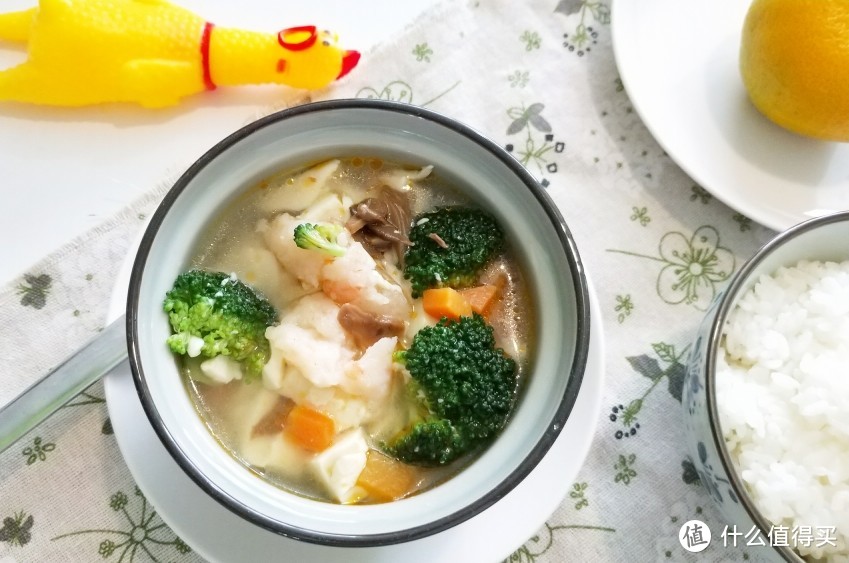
(538, 77)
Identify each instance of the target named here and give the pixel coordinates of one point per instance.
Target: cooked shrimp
(371, 375)
(355, 278)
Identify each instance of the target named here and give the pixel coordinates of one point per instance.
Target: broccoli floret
(213, 313)
(450, 246)
(312, 236)
(465, 387)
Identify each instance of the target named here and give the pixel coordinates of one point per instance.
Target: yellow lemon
(794, 60)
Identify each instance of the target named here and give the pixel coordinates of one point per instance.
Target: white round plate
(219, 535)
(679, 64)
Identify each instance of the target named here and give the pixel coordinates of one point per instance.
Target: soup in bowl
(357, 322)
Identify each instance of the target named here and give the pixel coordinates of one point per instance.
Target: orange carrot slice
(480, 298)
(310, 429)
(386, 478)
(445, 302)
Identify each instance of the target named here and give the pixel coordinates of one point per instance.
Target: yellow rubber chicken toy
(84, 52)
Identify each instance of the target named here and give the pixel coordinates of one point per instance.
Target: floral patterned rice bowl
(819, 239)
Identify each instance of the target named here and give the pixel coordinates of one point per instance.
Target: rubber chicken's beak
(349, 61)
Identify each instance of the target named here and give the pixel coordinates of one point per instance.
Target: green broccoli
(225, 314)
(450, 246)
(313, 236)
(464, 387)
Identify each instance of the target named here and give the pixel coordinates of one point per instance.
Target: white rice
(782, 391)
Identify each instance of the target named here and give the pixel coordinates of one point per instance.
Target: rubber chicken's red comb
(298, 38)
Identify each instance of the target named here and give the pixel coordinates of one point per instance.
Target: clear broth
(227, 245)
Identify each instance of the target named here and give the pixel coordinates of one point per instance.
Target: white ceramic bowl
(823, 239)
(403, 133)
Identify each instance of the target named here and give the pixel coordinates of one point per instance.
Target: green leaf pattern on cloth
(398, 91)
(519, 78)
(142, 536)
(624, 307)
(692, 268)
(541, 81)
(34, 290)
(671, 367)
(624, 467)
(422, 52)
(744, 222)
(17, 529)
(700, 194)
(641, 215)
(531, 40)
(539, 546)
(583, 37)
(395, 91)
(539, 149)
(578, 493)
(38, 451)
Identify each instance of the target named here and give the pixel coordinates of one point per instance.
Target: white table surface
(63, 171)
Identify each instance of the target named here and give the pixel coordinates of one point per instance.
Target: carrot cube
(310, 429)
(480, 298)
(445, 302)
(386, 478)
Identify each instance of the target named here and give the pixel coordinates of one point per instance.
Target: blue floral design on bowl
(821, 238)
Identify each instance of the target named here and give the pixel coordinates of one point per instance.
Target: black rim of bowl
(729, 301)
(365, 540)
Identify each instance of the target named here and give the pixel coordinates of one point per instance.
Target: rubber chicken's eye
(326, 43)
(298, 38)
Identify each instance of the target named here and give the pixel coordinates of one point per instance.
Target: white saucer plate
(219, 535)
(679, 64)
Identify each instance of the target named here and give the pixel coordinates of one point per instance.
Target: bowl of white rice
(767, 397)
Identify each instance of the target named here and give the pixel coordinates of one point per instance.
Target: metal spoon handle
(63, 383)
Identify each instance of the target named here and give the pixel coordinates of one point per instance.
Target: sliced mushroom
(382, 222)
(365, 327)
(274, 419)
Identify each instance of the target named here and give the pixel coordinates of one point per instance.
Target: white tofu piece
(402, 180)
(331, 208)
(250, 404)
(274, 369)
(274, 453)
(418, 320)
(339, 466)
(221, 369)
